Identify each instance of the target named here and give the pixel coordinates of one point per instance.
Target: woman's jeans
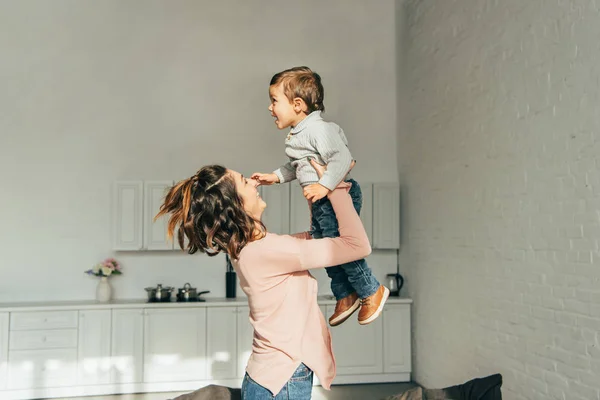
(299, 387)
(355, 276)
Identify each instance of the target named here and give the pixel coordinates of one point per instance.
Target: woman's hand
(318, 167)
(316, 191)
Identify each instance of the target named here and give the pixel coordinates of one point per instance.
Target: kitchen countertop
(142, 303)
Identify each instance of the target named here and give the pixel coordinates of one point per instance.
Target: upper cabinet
(386, 216)
(276, 216)
(155, 232)
(127, 215)
(380, 213)
(300, 210)
(366, 211)
(135, 203)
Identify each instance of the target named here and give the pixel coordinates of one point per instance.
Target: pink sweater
(289, 327)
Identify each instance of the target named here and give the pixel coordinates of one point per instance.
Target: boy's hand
(315, 192)
(265, 179)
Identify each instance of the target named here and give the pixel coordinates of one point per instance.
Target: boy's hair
(304, 83)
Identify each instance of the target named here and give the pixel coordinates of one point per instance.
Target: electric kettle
(394, 283)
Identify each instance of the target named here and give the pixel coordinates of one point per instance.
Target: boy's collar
(313, 116)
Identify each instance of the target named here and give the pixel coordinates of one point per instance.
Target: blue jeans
(299, 387)
(355, 276)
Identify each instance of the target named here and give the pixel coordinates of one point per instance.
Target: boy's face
(286, 114)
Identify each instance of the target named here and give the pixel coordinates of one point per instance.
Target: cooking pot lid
(159, 287)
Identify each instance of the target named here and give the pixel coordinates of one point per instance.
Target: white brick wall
(500, 160)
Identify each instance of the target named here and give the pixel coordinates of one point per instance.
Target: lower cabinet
(221, 343)
(57, 354)
(245, 337)
(127, 350)
(397, 357)
(42, 368)
(93, 348)
(229, 342)
(358, 349)
(4, 318)
(174, 345)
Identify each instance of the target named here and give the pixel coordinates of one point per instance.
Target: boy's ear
(299, 105)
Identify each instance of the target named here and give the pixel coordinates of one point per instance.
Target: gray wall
(95, 91)
(500, 161)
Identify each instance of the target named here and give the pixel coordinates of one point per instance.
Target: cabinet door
(174, 345)
(127, 215)
(245, 336)
(127, 353)
(3, 349)
(28, 369)
(221, 342)
(358, 349)
(386, 216)
(366, 212)
(276, 216)
(300, 210)
(396, 338)
(155, 232)
(93, 352)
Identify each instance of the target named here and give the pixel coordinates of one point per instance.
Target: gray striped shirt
(322, 140)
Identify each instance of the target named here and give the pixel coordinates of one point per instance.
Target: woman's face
(248, 190)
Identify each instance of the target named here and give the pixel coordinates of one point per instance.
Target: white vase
(103, 290)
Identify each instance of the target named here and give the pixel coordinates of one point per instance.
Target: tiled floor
(339, 392)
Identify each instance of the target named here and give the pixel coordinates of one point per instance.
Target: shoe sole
(346, 314)
(386, 294)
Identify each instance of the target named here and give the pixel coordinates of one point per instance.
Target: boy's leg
(321, 226)
(373, 295)
(347, 299)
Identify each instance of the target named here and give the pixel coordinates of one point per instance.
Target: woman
(219, 210)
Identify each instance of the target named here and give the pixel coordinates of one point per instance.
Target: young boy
(297, 102)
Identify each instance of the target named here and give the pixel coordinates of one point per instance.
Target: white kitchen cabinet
(276, 216)
(127, 350)
(42, 368)
(358, 349)
(58, 352)
(127, 215)
(221, 342)
(3, 349)
(299, 210)
(366, 212)
(174, 345)
(245, 336)
(386, 216)
(155, 232)
(396, 339)
(93, 350)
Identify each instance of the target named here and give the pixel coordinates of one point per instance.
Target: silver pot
(159, 293)
(188, 293)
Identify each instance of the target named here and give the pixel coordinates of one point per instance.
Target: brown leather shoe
(344, 308)
(371, 307)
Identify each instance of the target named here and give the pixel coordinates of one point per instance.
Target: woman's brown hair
(207, 209)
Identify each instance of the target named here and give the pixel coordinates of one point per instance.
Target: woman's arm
(286, 254)
(301, 235)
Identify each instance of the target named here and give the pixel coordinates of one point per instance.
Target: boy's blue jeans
(355, 276)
